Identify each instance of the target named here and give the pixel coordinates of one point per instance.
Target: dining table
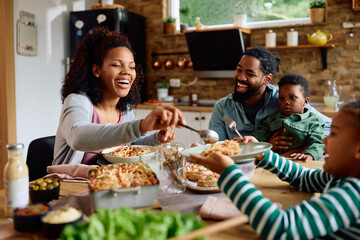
(234, 228)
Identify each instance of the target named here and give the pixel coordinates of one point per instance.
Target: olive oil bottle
(16, 179)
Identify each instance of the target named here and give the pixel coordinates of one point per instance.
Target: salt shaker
(270, 39)
(292, 38)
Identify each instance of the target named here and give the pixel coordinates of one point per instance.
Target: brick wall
(343, 60)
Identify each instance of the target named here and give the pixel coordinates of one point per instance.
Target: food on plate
(227, 147)
(129, 151)
(196, 171)
(208, 180)
(121, 175)
(202, 175)
(44, 184)
(32, 210)
(64, 215)
(128, 224)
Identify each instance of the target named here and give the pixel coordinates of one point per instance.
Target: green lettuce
(128, 224)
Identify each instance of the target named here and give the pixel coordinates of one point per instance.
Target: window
(260, 13)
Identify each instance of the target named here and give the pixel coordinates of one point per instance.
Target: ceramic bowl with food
(44, 190)
(54, 221)
(29, 218)
(128, 154)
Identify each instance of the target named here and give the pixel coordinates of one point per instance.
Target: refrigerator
(130, 24)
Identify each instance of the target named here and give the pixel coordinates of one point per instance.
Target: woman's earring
(97, 75)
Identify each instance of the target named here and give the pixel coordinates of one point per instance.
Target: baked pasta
(121, 175)
(200, 174)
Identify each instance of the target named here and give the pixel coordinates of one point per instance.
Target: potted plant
(185, 17)
(317, 11)
(162, 90)
(170, 25)
(242, 10)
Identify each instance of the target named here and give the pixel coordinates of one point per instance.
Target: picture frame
(356, 5)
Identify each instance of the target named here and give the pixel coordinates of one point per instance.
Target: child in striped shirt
(334, 215)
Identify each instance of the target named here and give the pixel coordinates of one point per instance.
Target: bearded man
(254, 98)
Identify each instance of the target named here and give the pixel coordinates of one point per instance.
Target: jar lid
(270, 30)
(14, 146)
(291, 29)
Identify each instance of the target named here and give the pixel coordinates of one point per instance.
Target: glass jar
(172, 168)
(331, 95)
(16, 179)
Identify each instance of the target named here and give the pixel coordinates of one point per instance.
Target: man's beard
(242, 97)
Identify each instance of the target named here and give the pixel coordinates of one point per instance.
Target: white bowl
(115, 159)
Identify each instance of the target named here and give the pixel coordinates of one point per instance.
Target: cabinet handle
(197, 119)
(202, 118)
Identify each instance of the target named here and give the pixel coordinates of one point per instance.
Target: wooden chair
(39, 156)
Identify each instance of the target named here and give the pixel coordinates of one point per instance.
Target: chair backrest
(39, 156)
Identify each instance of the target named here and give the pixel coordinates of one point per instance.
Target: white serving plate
(247, 151)
(115, 159)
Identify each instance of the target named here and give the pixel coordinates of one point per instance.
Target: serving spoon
(207, 135)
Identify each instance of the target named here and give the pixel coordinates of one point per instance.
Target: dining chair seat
(39, 156)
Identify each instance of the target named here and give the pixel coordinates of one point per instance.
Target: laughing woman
(98, 94)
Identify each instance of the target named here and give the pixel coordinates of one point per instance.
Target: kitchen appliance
(117, 19)
(216, 53)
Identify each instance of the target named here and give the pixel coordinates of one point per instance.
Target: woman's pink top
(90, 158)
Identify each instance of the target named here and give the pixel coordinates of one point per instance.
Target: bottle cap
(14, 146)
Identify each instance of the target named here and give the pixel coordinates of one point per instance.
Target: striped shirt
(334, 215)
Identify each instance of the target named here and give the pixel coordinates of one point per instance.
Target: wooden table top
(271, 187)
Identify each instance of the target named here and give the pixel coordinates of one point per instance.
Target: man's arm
(325, 119)
(217, 123)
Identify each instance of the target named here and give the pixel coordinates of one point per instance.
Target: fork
(232, 124)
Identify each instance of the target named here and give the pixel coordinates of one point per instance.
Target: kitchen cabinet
(196, 120)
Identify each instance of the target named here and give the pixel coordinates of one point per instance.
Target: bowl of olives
(44, 190)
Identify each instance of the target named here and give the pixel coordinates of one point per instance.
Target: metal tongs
(232, 124)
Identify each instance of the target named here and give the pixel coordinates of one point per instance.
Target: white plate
(192, 185)
(247, 151)
(116, 159)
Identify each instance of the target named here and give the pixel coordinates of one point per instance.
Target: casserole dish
(123, 184)
(136, 197)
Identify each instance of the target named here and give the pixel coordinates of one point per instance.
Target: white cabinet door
(186, 136)
(141, 113)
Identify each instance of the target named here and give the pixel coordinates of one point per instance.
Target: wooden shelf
(323, 50)
(302, 46)
(244, 30)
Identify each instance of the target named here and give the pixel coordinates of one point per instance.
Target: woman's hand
(301, 156)
(161, 117)
(280, 142)
(166, 135)
(216, 162)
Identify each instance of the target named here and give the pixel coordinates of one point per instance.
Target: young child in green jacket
(296, 123)
(334, 215)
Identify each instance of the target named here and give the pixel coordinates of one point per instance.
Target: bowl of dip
(28, 218)
(54, 221)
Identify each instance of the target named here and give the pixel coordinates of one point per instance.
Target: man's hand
(280, 142)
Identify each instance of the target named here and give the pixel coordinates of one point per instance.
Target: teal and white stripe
(334, 215)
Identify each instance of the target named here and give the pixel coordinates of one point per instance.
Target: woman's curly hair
(92, 50)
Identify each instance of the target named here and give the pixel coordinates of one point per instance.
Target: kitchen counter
(181, 107)
(320, 107)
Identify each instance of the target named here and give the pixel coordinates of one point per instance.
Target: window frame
(174, 6)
